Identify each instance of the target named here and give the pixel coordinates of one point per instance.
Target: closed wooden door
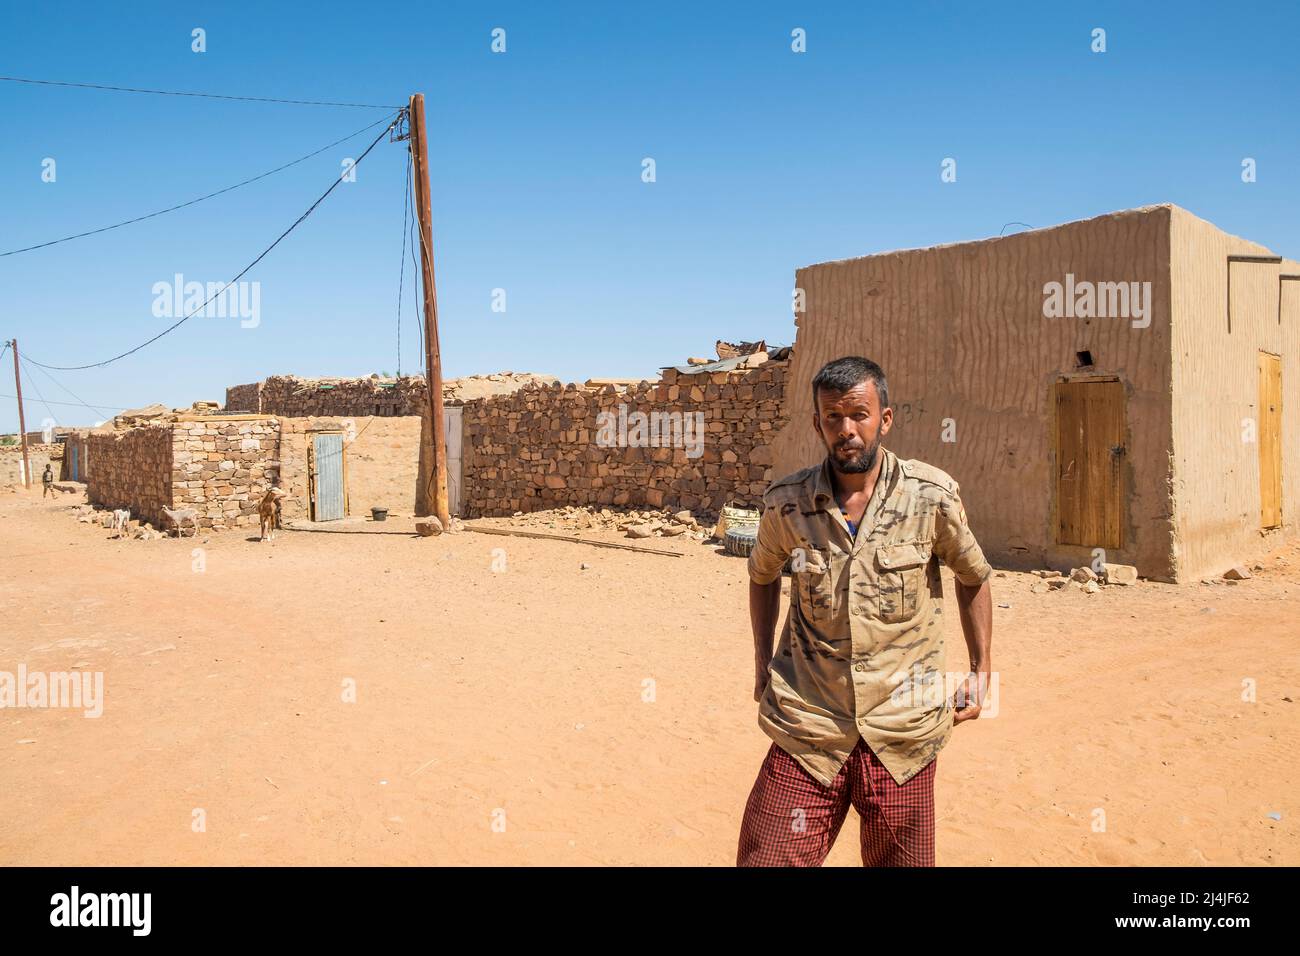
(1089, 464)
(1270, 440)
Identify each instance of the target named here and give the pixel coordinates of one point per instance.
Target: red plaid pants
(791, 819)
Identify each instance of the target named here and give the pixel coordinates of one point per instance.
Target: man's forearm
(976, 607)
(764, 606)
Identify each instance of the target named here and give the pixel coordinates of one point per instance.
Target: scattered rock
(584, 566)
(1083, 575)
(1239, 573)
(639, 531)
(673, 529)
(428, 527)
(1092, 587)
(1048, 574)
(1124, 574)
(1057, 584)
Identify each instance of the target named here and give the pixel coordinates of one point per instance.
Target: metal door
(327, 478)
(452, 429)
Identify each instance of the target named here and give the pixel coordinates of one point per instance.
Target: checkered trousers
(792, 820)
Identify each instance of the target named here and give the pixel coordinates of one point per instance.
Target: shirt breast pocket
(902, 569)
(815, 597)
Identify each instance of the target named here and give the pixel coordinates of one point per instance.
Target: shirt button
(859, 666)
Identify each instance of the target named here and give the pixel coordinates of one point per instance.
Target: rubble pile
(634, 523)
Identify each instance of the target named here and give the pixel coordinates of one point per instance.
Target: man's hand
(968, 699)
(762, 675)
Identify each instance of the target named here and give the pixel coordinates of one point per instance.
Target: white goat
(181, 515)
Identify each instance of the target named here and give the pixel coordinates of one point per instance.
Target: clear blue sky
(766, 160)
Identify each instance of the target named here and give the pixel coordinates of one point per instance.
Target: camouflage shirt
(862, 648)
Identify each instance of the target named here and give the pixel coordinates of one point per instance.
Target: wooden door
(1090, 436)
(1270, 440)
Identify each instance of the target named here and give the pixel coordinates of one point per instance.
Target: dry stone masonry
(540, 447)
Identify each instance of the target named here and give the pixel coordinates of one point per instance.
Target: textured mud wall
(961, 333)
(1216, 393)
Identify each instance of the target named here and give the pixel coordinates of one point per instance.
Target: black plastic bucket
(379, 514)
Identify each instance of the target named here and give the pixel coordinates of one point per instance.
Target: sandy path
(523, 691)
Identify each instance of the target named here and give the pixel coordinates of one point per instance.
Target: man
(47, 480)
(853, 697)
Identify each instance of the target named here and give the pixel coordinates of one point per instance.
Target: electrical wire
(127, 222)
(211, 96)
(401, 273)
(32, 381)
(32, 401)
(99, 410)
(265, 252)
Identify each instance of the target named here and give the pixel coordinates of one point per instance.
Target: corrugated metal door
(452, 429)
(328, 477)
(1270, 440)
(1089, 459)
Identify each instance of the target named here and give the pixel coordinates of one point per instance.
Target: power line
(211, 96)
(32, 381)
(401, 272)
(32, 401)
(92, 408)
(127, 222)
(241, 274)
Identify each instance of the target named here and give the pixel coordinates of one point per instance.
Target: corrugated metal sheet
(329, 477)
(453, 431)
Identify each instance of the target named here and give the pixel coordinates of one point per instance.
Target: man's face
(851, 425)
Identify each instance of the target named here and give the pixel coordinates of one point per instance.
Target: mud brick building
(1162, 429)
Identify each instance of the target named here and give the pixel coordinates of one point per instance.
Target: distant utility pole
(22, 420)
(431, 494)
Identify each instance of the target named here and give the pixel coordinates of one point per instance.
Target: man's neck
(846, 485)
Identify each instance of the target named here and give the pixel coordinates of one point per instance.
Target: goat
(180, 515)
(269, 512)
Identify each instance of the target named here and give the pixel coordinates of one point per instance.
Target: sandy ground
(519, 698)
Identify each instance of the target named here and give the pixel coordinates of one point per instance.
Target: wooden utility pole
(431, 494)
(22, 419)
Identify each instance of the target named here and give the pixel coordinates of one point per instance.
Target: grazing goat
(181, 515)
(269, 512)
(120, 517)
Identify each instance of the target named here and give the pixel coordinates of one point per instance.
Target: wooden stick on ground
(560, 537)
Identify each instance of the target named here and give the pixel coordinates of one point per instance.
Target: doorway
(327, 476)
(1090, 449)
(1270, 440)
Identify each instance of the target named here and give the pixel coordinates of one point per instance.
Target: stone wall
(291, 397)
(547, 446)
(244, 398)
(133, 470)
(221, 467)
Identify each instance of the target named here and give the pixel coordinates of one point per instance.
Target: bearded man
(849, 696)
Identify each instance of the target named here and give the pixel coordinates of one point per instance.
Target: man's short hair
(844, 373)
